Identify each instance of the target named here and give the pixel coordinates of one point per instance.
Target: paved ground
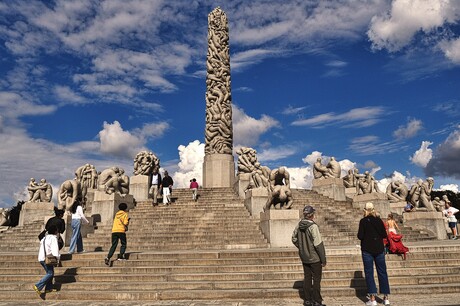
(407, 300)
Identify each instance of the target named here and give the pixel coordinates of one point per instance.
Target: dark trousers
(312, 282)
(115, 237)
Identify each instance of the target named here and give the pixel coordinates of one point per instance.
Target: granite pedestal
(105, 206)
(218, 170)
(397, 207)
(381, 204)
(139, 187)
(255, 201)
(431, 221)
(241, 184)
(330, 187)
(35, 211)
(278, 225)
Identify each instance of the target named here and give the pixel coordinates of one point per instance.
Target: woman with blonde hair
(371, 232)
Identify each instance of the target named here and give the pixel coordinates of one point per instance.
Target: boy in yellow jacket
(119, 228)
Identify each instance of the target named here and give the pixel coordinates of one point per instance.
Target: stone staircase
(214, 250)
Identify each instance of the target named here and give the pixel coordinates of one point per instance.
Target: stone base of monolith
(105, 206)
(139, 187)
(278, 225)
(255, 201)
(398, 207)
(330, 187)
(241, 184)
(431, 221)
(85, 228)
(35, 211)
(381, 204)
(218, 170)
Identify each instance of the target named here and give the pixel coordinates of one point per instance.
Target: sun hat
(369, 206)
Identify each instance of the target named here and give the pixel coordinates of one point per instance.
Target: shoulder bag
(50, 260)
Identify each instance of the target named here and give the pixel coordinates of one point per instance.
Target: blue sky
(373, 83)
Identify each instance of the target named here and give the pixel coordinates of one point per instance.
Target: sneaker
(107, 261)
(51, 290)
(386, 302)
(371, 303)
(82, 251)
(121, 259)
(36, 290)
(455, 238)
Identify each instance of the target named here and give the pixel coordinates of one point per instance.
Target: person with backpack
(307, 238)
(119, 228)
(48, 246)
(59, 222)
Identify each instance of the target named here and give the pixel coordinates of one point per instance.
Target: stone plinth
(85, 229)
(241, 184)
(278, 225)
(255, 200)
(35, 211)
(432, 221)
(381, 204)
(398, 207)
(330, 187)
(350, 192)
(139, 187)
(218, 170)
(105, 206)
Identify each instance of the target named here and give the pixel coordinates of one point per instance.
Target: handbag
(50, 260)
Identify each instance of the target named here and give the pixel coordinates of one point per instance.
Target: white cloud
(290, 110)
(13, 105)
(190, 165)
(300, 177)
(408, 131)
(371, 144)
(67, 96)
(311, 158)
(247, 130)
(451, 187)
(336, 64)
(423, 155)
(276, 153)
(451, 49)
(354, 118)
(446, 157)
(115, 141)
(395, 29)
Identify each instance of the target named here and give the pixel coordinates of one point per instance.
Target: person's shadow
(358, 282)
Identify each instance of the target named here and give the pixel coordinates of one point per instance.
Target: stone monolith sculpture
(218, 166)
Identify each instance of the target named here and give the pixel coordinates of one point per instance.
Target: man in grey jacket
(307, 238)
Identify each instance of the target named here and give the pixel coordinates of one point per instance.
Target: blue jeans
(76, 240)
(47, 280)
(381, 267)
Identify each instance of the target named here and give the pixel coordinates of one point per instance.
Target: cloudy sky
(373, 83)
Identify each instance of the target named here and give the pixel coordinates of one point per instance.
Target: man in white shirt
(156, 185)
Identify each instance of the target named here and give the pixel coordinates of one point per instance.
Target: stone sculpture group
(41, 192)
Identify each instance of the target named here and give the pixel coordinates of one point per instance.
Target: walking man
(119, 228)
(156, 185)
(307, 238)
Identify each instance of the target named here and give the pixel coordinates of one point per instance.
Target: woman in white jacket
(48, 246)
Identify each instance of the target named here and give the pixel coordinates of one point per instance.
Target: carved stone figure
(219, 130)
(334, 168)
(113, 180)
(260, 175)
(69, 192)
(42, 192)
(4, 217)
(414, 193)
(87, 176)
(320, 171)
(366, 184)
(438, 204)
(397, 192)
(425, 194)
(145, 162)
(280, 195)
(247, 163)
(349, 179)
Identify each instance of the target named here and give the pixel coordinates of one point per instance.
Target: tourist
(59, 222)
(156, 185)
(119, 228)
(76, 241)
(450, 212)
(307, 238)
(395, 245)
(194, 188)
(371, 232)
(166, 185)
(409, 207)
(48, 246)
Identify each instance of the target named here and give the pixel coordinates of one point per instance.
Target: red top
(193, 185)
